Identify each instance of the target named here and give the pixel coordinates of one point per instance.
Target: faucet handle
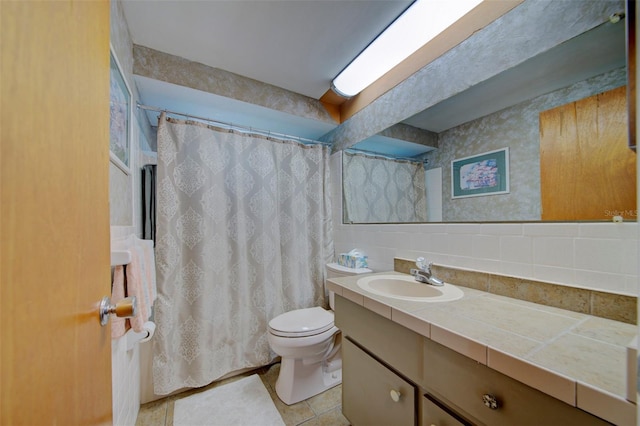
(421, 263)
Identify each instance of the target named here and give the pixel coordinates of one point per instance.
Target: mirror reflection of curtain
(243, 234)
(378, 189)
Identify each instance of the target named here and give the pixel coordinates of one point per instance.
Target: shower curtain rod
(385, 156)
(239, 128)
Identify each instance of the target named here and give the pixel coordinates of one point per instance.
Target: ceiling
(297, 45)
(301, 45)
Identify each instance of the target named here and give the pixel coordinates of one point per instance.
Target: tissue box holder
(351, 261)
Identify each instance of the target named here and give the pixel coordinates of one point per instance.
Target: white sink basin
(407, 288)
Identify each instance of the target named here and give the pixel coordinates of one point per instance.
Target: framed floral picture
(120, 117)
(482, 174)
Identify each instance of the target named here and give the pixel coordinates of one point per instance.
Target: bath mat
(245, 402)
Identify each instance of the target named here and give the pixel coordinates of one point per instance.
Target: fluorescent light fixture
(421, 22)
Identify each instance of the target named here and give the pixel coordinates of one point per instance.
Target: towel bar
(120, 257)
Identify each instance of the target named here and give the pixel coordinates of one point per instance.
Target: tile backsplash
(618, 307)
(597, 256)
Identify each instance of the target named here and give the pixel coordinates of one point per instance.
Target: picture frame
(120, 110)
(480, 174)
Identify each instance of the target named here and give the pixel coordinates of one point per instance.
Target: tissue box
(352, 261)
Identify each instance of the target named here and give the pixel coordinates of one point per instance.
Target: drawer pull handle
(395, 395)
(490, 401)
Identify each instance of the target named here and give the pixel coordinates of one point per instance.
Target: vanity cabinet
(437, 385)
(478, 392)
(389, 342)
(434, 413)
(372, 393)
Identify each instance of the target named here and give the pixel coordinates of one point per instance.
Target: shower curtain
(382, 190)
(243, 233)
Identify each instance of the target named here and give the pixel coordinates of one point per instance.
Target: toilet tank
(335, 270)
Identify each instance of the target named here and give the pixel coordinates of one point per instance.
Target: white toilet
(309, 344)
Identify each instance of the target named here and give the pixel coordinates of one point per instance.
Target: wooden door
(55, 356)
(587, 171)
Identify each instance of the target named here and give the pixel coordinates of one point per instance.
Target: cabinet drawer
(366, 391)
(434, 415)
(390, 342)
(456, 379)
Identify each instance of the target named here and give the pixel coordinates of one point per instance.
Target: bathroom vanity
(451, 363)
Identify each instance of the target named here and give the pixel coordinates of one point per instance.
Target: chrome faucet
(423, 273)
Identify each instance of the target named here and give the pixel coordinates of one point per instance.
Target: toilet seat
(302, 322)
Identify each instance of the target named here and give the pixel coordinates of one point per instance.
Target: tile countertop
(577, 358)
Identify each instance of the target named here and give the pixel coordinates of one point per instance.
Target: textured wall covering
(173, 69)
(123, 187)
(517, 128)
(411, 134)
(499, 46)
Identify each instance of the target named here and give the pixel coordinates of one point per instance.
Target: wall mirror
(502, 112)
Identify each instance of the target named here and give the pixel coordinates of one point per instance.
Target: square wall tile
(488, 265)
(551, 229)
(485, 247)
(606, 255)
(460, 245)
(516, 269)
(464, 228)
(622, 231)
(600, 280)
(416, 241)
(566, 276)
(552, 251)
(518, 249)
(462, 262)
(502, 229)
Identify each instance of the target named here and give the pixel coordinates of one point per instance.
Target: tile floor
(321, 410)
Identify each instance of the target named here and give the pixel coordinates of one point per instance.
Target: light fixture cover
(421, 22)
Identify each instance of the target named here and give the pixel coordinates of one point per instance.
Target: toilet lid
(302, 322)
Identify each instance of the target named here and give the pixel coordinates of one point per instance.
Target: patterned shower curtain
(382, 190)
(243, 234)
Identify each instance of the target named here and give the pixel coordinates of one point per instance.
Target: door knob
(395, 395)
(125, 308)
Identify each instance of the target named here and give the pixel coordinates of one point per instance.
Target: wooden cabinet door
(587, 171)
(367, 388)
(461, 384)
(54, 257)
(434, 415)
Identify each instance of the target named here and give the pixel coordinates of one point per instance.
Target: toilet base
(297, 381)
